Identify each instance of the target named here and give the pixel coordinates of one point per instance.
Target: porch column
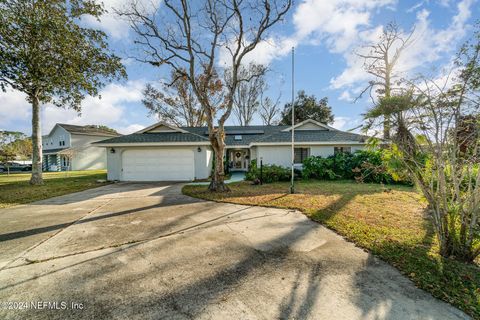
(59, 163)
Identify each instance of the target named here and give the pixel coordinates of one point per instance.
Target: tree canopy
(192, 37)
(307, 107)
(174, 102)
(46, 54)
(435, 136)
(15, 144)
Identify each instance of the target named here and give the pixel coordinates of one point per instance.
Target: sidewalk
(234, 177)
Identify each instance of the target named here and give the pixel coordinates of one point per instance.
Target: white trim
(161, 123)
(207, 143)
(312, 143)
(310, 121)
(152, 144)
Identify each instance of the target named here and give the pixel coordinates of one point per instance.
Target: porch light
(112, 150)
(199, 149)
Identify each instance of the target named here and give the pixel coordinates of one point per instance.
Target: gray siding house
(69, 147)
(163, 152)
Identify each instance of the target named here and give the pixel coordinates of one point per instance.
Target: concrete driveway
(145, 251)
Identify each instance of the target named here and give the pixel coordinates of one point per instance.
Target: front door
(238, 159)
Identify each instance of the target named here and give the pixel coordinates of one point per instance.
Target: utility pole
(292, 186)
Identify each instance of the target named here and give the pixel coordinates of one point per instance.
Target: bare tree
(269, 111)
(191, 36)
(246, 99)
(381, 61)
(442, 157)
(175, 103)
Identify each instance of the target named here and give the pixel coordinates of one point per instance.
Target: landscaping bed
(15, 188)
(389, 221)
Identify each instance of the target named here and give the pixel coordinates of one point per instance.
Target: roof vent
(238, 138)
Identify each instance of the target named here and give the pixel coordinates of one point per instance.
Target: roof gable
(310, 124)
(84, 130)
(310, 132)
(161, 127)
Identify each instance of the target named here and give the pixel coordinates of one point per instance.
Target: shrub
(363, 166)
(269, 173)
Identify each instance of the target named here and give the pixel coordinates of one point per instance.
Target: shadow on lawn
(455, 282)
(221, 278)
(452, 281)
(176, 293)
(89, 195)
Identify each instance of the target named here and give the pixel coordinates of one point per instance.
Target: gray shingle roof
(155, 137)
(250, 134)
(88, 130)
(52, 151)
(314, 136)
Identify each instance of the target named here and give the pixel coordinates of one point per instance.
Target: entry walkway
(234, 177)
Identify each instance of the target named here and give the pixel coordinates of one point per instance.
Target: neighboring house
(169, 153)
(69, 147)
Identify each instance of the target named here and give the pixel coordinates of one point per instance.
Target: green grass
(390, 221)
(15, 188)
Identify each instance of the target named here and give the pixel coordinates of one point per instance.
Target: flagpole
(292, 186)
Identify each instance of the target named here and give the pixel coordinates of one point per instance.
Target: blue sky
(324, 33)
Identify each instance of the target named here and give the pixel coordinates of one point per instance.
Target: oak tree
(174, 102)
(307, 107)
(48, 55)
(206, 42)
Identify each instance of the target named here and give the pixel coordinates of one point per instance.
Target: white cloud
(336, 22)
(131, 128)
(15, 111)
(14, 108)
(346, 96)
(428, 45)
(111, 23)
(108, 109)
(347, 123)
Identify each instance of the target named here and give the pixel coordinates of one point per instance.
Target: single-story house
(69, 147)
(163, 152)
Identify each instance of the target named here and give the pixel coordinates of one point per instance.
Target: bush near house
(268, 173)
(362, 166)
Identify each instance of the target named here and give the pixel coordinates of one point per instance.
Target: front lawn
(15, 188)
(390, 221)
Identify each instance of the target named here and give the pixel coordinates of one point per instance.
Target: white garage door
(158, 165)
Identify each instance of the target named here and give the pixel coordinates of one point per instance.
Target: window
(237, 137)
(338, 150)
(300, 154)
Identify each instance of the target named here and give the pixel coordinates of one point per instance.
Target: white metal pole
(292, 186)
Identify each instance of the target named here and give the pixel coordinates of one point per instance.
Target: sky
(325, 34)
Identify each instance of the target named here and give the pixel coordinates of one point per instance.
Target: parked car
(14, 167)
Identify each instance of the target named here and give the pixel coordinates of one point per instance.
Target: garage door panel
(158, 165)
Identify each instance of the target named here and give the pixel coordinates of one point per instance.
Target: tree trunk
(218, 184)
(386, 127)
(36, 178)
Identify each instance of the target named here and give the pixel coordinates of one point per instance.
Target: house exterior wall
(282, 155)
(86, 156)
(278, 155)
(52, 141)
(203, 160)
